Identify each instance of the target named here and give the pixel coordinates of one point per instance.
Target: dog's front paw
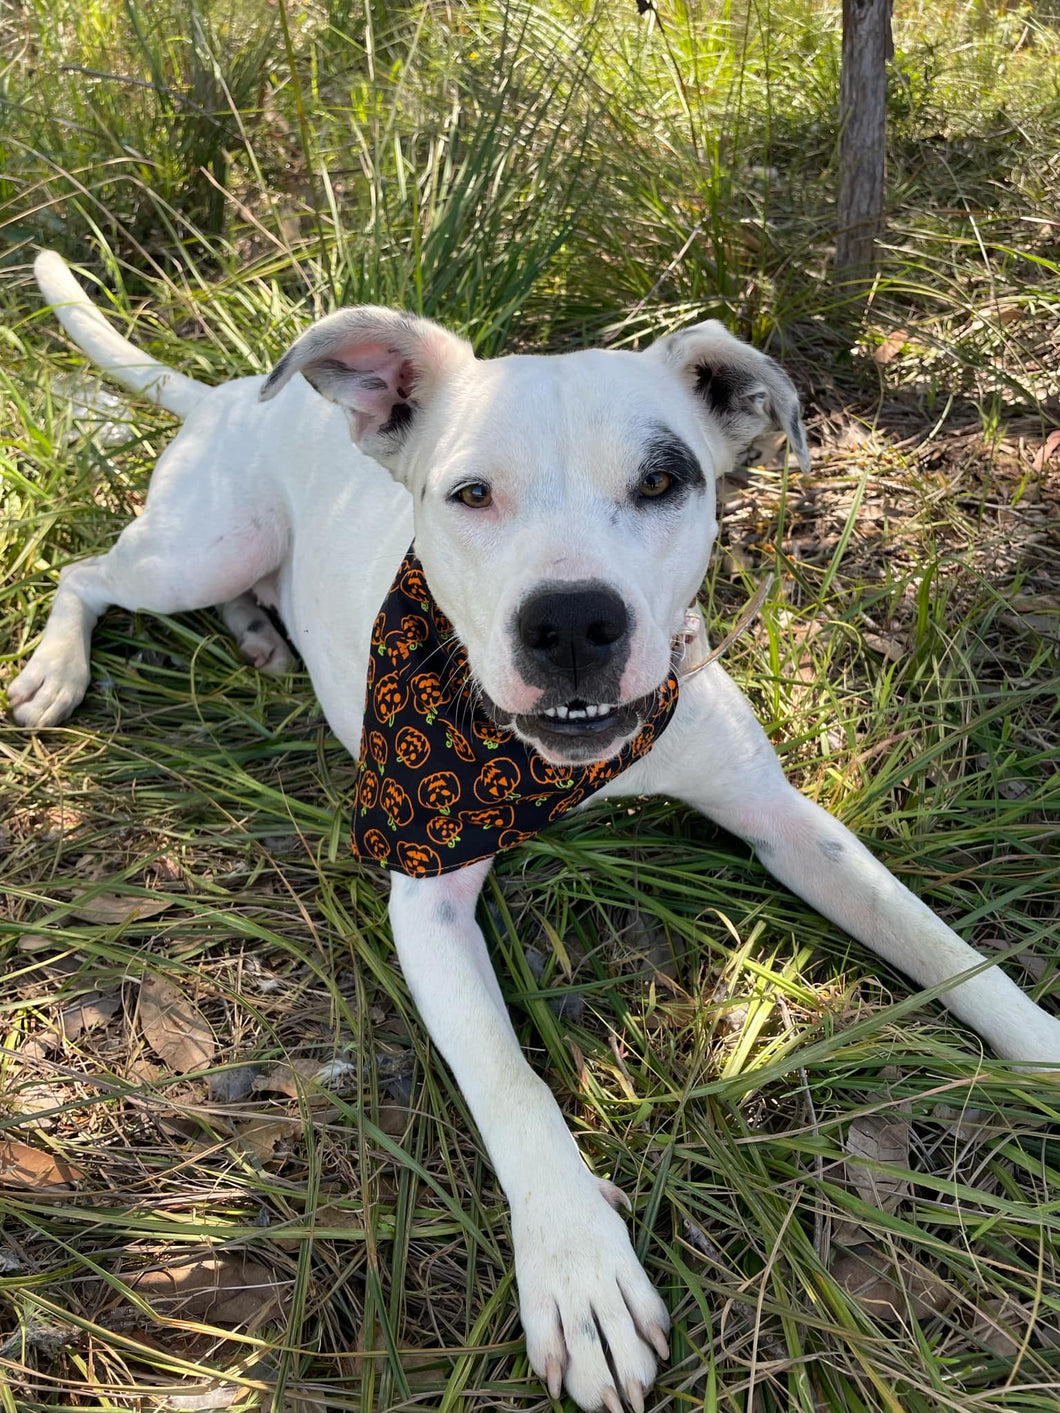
(263, 647)
(48, 689)
(592, 1320)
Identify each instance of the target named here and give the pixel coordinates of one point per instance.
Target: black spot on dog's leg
(445, 913)
(833, 849)
(762, 848)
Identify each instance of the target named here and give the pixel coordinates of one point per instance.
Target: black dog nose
(574, 631)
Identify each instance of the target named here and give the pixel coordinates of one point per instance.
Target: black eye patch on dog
(668, 453)
(441, 785)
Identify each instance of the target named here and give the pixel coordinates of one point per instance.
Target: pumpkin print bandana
(442, 786)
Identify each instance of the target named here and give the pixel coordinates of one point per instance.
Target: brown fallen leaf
(23, 1166)
(1038, 611)
(97, 1008)
(966, 1122)
(848, 1232)
(1046, 451)
(34, 941)
(1013, 788)
(393, 1119)
(259, 1136)
(225, 1289)
(330, 1217)
(303, 1074)
(891, 347)
(141, 1069)
(37, 1048)
(1037, 968)
(174, 1027)
(676, 1015)
(94, 1009)
(180, 1129)
(290, 1078)
(115, 908)
(888, 645)
(641, 938)
(871, 1278)
(878, 1138)
(1002, 1327)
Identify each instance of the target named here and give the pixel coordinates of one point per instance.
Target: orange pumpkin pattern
(439, 791)
(395, 803)
(499, 818)
(557, 777)
(488, 732)
(397, 648)
(377, 750)
(418, 860)
(498, 780)
(388, 699)
(441, 785)
(457, 741)
(375, 845)
(368, 788)
(428, 693)
(444, 829)
(411, 747)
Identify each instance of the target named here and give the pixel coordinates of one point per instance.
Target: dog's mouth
(577, 718)
(576, 732)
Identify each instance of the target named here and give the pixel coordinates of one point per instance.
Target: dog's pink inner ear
(374, 383)
(380, 367)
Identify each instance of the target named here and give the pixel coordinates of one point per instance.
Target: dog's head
(564, 505)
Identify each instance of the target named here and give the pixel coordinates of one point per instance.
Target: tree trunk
(867, 47)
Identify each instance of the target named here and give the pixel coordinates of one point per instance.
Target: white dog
(562, 510)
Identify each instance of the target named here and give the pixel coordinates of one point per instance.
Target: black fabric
(441, 786)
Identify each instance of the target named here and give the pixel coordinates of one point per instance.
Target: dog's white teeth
(578, 713)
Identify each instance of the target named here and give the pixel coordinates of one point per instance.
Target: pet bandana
(441, 786)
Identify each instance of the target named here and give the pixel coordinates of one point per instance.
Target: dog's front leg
(580, 1284)
(717, 758)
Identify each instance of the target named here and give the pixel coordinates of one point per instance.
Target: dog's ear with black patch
(745, 390)
(380, 366)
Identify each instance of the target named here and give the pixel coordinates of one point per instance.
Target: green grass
(540, 176)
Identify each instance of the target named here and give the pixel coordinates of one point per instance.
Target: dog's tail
(113, 355)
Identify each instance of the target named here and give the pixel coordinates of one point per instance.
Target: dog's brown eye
(477, 495)
(654, 485)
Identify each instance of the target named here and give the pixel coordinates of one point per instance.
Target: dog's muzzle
(572, 640)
